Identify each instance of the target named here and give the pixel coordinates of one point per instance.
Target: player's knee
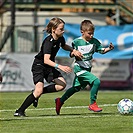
(61, 87)
(97, 82)
(37, 92)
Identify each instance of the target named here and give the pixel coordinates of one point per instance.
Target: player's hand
(65, 69)
(77, 54)
(111, 46)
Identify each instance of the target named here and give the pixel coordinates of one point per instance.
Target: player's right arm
(75, 53)
(49, 62)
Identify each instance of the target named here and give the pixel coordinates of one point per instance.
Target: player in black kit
(44, 66)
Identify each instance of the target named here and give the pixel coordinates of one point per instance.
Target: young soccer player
(44, 66)
(87, 45)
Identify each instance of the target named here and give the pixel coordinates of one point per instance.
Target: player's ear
(81, 31)
(53, 30)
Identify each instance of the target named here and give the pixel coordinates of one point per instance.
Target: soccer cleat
(58, 105)
(94, 107)
(19, 113)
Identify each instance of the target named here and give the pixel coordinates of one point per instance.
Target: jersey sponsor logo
(85, 49)
(82, 49)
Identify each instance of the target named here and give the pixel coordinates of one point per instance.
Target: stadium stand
(117, 12)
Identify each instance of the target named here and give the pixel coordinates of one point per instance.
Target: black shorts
(40, 72)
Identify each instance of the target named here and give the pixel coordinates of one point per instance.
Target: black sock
(49, 89)
(28, 101)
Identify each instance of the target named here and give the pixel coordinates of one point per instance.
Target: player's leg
(38, 78)
(57, 81)
(60, 101)
(94, 90)
(93, 96)
(57, 85)
(30, 99)
(88, 77)
(69, 92)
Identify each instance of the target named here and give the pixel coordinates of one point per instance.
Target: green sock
(94, 91)
(69, 93)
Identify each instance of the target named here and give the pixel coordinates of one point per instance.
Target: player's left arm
(111, 47)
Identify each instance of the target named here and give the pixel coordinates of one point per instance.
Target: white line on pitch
(71, 107)
(58, 116)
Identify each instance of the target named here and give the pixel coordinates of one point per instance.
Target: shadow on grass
(81, 114)
(72, 115)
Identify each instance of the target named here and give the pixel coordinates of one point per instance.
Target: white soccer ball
(125, 106)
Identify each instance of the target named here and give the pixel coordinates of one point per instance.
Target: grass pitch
(74, 118)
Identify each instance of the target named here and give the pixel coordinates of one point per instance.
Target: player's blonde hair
(86, 25)
(53, 24)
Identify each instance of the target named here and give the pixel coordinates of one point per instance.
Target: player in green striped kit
(87, 45)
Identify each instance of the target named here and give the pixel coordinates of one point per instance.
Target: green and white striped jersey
(87, 49)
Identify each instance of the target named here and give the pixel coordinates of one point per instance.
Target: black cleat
(19, 114)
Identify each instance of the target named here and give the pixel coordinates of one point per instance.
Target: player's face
(59, 30)
(88, 35)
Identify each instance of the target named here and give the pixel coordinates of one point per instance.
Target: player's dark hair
(53, 23)
(86, 25)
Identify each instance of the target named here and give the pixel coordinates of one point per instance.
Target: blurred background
(21, 34)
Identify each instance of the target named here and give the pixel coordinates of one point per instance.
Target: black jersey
(49, 46)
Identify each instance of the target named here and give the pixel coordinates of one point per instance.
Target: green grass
(74, 117)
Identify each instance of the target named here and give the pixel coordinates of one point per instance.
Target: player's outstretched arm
(111, 47)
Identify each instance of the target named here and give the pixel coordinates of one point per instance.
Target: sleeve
(63, 41)
(99, 47)
(47, 46)
(73, 45)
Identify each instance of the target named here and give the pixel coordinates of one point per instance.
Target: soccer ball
(125, 106)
